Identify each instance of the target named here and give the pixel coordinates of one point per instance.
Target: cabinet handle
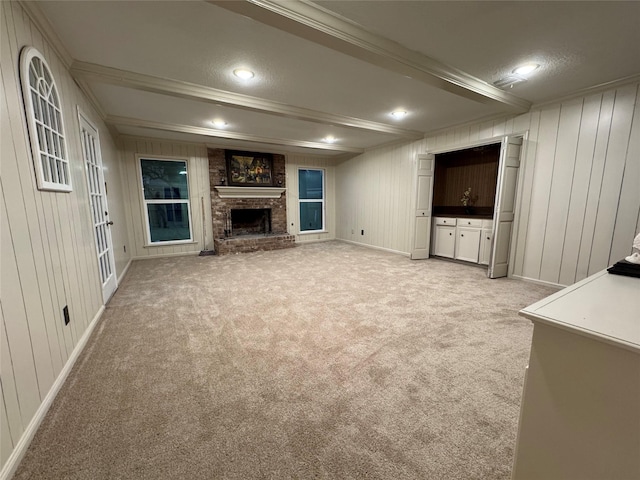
(462, 235)
(488, 238)
(449, 233)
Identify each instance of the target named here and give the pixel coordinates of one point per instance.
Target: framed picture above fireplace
(249, 168)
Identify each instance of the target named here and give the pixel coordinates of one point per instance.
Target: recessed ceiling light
(243, 73)
(329, 139)
(398, 114)
(218, 122)
(526, 69)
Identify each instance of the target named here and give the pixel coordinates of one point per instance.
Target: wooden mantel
(249, 192)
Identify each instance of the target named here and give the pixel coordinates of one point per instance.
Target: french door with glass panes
(99, 210)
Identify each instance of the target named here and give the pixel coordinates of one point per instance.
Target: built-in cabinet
(466, 239)
(473, 204)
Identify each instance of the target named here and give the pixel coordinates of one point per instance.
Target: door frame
(106, 294)
(524, 134)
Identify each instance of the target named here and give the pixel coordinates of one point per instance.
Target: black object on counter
(625, 268)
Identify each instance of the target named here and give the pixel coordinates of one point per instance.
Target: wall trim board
(314, 240)
(21, 447)
(124, 272)
(476, 143)
(166, 255)
(539, 282)
(374, 247)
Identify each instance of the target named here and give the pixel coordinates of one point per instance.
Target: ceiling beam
(313, 23)
(208, 132)
(87, 72)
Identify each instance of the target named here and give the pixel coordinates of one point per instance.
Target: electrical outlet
(65, 313)
(361, 232)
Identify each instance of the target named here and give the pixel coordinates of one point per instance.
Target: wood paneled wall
(48, 252)
(374, 194)
(457, 171)
(294, 163)
(578, 199)
(199, 192)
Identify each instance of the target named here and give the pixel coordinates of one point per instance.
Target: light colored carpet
(323, 361)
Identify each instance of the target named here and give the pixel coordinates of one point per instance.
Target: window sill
(312, 232)
(168, 244)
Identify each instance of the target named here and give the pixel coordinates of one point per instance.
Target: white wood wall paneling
(14, 426)
(612, 179)
(75, 220)
(579, 189)
(17, 329)
(595, 184)
(21, 219)
(578, 201)
(6, 442)
(48, 250)
(69, 252)
(539, 207)
(560, 194)
(629, 202)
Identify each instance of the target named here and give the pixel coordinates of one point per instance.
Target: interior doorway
(466, 201)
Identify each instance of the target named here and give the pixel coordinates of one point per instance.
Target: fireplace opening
(250, 221)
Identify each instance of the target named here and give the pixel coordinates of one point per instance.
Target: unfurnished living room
(320, 239)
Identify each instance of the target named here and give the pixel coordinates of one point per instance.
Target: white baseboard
(21, 447)
(539, 282)
(166, 255)
(315, 240)
(397, 252)
(124, 271)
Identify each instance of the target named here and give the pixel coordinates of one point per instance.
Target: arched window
(44, 119)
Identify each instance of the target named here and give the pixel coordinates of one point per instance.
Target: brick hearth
(220, 208)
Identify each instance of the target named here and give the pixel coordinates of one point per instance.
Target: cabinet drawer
(469, 222)
(445, 221)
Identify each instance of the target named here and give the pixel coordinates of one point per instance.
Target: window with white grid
(44, 119)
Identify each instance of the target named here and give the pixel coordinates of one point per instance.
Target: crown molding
(585, 92)
(171, 127)
(83, 71)
(313, 23)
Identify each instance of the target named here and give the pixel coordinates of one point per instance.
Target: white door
(99, 209)
(422, 223)
(504, 209)
(467, 244)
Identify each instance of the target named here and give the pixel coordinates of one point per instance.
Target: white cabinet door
(424, 195)
(504, 209)
(485, 246)
(445, 241)
(468, 244)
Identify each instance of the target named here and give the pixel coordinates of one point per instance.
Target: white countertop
(603, 306)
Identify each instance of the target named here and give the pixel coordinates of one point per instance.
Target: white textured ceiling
(333, 68)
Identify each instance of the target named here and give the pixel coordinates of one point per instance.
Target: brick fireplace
(247, 219)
